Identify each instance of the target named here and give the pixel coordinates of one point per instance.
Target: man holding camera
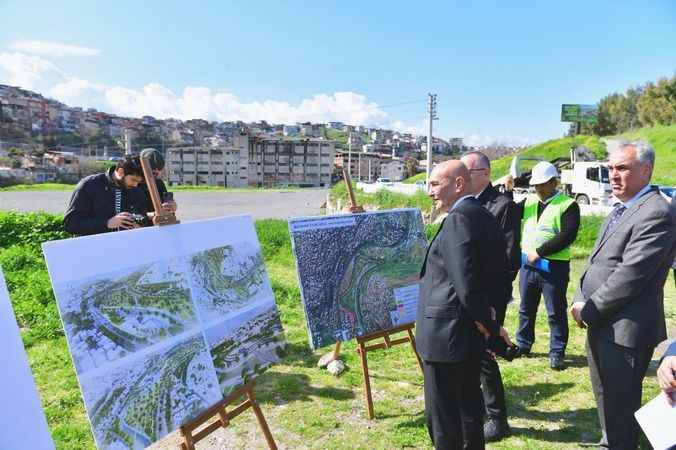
(108, 201)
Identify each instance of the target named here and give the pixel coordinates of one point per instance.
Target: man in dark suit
(509, 221)
(621, 295)
(453, 319)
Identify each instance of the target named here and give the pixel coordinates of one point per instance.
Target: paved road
(194, 205)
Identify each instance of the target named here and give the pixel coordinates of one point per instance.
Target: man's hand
(505, 336)
(170, 206)
(482, 329)
(665, 378)
(576, 312)
(122, 220)
(533, 257)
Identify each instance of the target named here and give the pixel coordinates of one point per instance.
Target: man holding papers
(550, 221)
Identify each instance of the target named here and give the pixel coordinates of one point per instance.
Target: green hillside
(663, 138)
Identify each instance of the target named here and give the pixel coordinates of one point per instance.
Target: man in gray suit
(621, 298)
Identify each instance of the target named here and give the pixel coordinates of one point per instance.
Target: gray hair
(481, 155)
(645, 153)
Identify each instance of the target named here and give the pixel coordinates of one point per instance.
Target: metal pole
(432, 110)
(349, 154)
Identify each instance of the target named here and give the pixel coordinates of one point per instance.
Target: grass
(308, 408)
(663, 138)
(39, 187)
(383, 199)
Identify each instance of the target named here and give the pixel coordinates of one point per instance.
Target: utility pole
(349, 154)
(359, 166)
(127, 142)
(432, 110)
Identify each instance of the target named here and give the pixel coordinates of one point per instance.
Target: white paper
(24, 423)
(657, 419)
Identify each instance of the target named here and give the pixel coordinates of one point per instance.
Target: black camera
(498, 346)
(138, 218)
(167, 197)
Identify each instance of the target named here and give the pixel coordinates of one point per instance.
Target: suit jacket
(463, 260)
(508, 217)
(624, 279)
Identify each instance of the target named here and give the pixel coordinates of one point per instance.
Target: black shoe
(556, 363)
(496, 429)
(522, 352)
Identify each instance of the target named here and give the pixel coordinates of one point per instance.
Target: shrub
(30, 228)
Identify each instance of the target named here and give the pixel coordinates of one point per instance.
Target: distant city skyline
(501, 72)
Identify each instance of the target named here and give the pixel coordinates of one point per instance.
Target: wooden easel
(160, 217)
(362, 341)
(224, 417)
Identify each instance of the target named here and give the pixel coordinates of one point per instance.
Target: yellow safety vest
(538, 231)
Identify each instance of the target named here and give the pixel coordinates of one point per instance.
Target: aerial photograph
(148, 396)
(245, 345)
(109, 316)
(349, 274)
(223, 279)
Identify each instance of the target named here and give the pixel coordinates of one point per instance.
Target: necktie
(614, 218)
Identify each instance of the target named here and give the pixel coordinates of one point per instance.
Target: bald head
(449, 181)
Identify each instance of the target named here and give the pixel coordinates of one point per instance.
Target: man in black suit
(509, 221)
(454, 318)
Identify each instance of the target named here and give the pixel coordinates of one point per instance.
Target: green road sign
(579, 113)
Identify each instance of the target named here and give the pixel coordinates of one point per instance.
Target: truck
(582, 178)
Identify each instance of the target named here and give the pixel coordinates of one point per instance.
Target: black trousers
(617, 374)
(453, 404)
(491, 380)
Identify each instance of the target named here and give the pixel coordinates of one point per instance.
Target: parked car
(385, 181)
(668, 192)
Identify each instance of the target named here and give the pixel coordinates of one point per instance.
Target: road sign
(579, 113)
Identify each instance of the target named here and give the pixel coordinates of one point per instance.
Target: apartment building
(253, 161)
(276, 161)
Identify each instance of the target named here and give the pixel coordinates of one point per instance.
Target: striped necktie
(615, 216)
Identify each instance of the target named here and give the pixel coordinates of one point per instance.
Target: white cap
(542, 173)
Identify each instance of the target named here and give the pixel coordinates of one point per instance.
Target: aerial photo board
(359, 273)
(163, 322)
(24, 423)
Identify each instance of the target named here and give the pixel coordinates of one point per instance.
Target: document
(540, 264)
(657, 420)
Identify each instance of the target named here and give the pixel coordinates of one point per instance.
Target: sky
(501, 70)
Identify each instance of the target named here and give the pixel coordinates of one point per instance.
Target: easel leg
(336, 351)
(367, 381)
(411, 338)
(261, 420)
(188, 443)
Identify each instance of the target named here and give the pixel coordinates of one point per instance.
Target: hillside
(663, 138)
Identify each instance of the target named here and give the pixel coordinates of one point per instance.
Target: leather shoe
(556, 363)
(522, 352)
(496, 429)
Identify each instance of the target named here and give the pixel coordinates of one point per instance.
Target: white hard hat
(542, 173)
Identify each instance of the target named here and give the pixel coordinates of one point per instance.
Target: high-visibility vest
(536, 231)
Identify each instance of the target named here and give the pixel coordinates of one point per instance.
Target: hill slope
(662, 138)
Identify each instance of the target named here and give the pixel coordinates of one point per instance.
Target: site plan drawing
(165, 328)
(359, 273)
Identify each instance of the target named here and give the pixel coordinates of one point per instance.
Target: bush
(30, 228)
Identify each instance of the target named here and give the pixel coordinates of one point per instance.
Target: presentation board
(163, 322)
(358, 273)
(25, 426)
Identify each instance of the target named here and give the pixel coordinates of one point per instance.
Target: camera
(140, 219)
(498, 346)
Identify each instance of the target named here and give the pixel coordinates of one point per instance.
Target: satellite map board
(359, 273)
(163, 322)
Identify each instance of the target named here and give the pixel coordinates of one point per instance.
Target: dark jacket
(462, 262)
(508, 217)
(93, 204)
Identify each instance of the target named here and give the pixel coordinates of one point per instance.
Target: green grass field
(308, 408)
(186, 188)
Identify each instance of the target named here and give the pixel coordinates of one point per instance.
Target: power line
(401, 104)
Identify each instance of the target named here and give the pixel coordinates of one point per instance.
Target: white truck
(586, 181)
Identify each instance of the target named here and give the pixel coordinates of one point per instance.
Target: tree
(657, 105)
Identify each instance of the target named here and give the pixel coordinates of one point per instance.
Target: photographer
(108, 201)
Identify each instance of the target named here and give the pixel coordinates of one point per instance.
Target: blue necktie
(614, 218)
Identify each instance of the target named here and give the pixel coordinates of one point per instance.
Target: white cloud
(53, 49)
(27, 71)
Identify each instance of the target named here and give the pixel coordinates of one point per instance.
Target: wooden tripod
(224, 417)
